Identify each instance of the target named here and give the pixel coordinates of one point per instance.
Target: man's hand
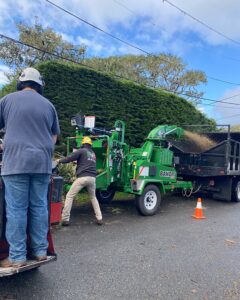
(57, 161)
(54, 138)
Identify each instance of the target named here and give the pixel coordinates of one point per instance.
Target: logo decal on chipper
(167, 174)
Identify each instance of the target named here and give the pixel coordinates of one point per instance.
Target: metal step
(31, 264)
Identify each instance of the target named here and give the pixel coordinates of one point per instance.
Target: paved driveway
(168, 256)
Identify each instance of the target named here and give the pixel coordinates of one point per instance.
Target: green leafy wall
(73, 89)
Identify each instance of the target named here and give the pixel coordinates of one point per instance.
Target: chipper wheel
(105, 196)
(149, 202)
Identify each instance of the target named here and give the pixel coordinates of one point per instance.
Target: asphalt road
(168, 256)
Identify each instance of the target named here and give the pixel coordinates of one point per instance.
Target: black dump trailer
(215, 171)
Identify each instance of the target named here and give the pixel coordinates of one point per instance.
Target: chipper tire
(149, 202)
(105, 197)
(236, 191)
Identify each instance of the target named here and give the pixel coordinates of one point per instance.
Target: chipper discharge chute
(147, 172)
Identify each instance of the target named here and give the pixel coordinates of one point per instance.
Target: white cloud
(157, 17)
(3, 78)
(225, 112)
(201, 109)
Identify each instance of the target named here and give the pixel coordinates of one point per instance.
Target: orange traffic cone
(198, 210)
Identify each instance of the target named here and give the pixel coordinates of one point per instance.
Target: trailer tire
(236, 191)
(149, 202)
(105, 196)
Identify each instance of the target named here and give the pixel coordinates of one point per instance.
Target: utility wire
(106, 73)
(221, 80)
(100, 29)
(222, 106)
(202, 23)
(163, 29)
(123, 41)
(39, 49)
(228, 117)
(127, 8)
(212, 100)
(132, 12)
(220, 101)
(65, 58)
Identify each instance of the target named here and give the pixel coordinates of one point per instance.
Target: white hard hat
(31, 74)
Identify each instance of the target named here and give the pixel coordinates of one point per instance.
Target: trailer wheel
(105, 196)
(236, 191)
(149, 202)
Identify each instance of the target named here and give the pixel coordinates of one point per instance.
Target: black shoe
(99, 222)
(65, 223)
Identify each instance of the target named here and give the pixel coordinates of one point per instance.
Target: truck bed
(222, 159)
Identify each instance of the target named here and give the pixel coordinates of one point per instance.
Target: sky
(154, 26)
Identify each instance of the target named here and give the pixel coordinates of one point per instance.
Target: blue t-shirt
(29, 121)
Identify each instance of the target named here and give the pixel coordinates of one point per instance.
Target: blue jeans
(26, 204)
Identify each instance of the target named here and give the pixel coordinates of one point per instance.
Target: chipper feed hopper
(148, 171)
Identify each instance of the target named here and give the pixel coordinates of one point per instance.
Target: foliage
(9, 88)
(18, 56)
(163, 71)
(67, 171)
(235, 128)
(74, 89)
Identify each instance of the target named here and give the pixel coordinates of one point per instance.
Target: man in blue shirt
(31, 127)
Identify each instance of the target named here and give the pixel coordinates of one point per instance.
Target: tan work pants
(78, 184)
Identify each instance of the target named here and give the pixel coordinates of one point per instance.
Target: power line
(106, 73)
(131, 11)
(221, 80)
(211, 100)
(100, 29)
(222, 106)
(220, 101)
(163, 29)
(127, 8)
(73, 61)
(236, 115)
(231, 58)
(39, 49)
(64, 58)
(123, 41)
(202, 23)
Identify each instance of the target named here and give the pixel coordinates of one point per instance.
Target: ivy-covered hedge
(74, 89)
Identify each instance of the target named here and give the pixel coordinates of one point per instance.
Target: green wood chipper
(147, 172)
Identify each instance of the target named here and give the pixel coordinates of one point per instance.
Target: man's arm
(72, 157)
(55, 126)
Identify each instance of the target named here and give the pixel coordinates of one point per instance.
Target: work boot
(7, 264)
(65, 223)
(39, 258)
(99, 222)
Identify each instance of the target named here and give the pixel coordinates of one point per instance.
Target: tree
(18, 56)
(162, 71)
(235, 128)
